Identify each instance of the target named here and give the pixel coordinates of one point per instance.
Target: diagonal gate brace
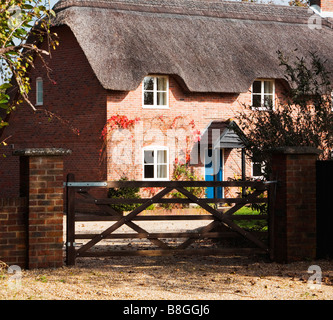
(107, 209)
(223, 218)
(125, 220)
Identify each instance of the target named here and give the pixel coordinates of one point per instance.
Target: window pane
(256, 88)
(149, 171)
(148, 83)
(149, 99)
(161, 98)
(256, 101)
(148, 156)
(39, 91)
(268, 86)
(161, 84)
(162, 171)
(162, 156)
(40, 96)
(256, 169)
(268, 101)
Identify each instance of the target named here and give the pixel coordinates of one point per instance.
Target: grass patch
(251, 225)
(246, 210)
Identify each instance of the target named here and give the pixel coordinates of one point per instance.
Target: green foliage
(258, 208)
(262, 208)
(251, 225)
(299, 3)
(183, 172)
(23, 24)
(303, 118)
(124, 193)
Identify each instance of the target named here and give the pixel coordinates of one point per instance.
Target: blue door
(214, 172)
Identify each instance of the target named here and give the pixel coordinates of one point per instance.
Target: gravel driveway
(171, 278)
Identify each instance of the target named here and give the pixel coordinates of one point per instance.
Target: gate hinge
(86, 184)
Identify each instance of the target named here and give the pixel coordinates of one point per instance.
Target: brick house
(181, 68)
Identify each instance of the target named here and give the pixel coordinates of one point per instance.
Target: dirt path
(172, 278)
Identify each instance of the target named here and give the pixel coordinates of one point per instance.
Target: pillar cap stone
(35, 152)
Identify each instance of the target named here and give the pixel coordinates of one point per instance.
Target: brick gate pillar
(293, 234)
(41, 174)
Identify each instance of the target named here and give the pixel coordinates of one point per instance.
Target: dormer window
(263, 92)
(39, 91)
(155, 92)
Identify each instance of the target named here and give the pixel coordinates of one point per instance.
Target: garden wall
(293, 232)
(13, 231)
(31, 228)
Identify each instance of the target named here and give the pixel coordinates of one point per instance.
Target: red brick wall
(13, 235)
(45, 211)
(294, 219)
(325, 5)
(31, 228)
(77, 98)
(200, 107)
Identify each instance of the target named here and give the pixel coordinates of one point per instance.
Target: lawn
(252, 225)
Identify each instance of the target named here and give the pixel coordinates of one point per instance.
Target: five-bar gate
(221, 224)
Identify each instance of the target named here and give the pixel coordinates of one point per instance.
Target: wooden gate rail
(217, 218)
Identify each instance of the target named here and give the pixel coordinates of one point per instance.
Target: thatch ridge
(221, 9)
(213, 46)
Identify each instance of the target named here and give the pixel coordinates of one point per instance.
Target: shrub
(124, 193)
(303, 117)
(183, 172)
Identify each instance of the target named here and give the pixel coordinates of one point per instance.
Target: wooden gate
(221, 224)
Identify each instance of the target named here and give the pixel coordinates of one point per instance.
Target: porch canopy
(224, 135)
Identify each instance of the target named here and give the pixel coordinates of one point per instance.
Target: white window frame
(155, 106)
(39, 102)
(262, 164)
(155, 149)
(262, 94)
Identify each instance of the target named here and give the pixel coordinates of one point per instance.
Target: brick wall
(13, 233)
(325, 5)
(77, 101)
(200, 107)
(45, 211)
(31, 228)
(294, 219)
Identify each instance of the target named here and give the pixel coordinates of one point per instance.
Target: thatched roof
(211, 46)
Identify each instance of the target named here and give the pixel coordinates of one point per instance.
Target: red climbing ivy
(181, 161)
(117, 122)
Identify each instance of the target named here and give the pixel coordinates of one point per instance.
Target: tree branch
(17, 49)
